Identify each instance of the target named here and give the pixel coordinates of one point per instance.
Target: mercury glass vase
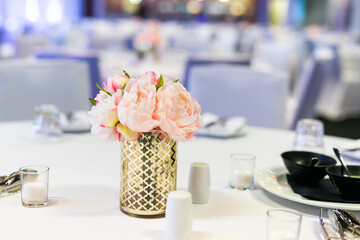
(148, 174)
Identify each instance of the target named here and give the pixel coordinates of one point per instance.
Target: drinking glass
(34, 185)
(309, 136)
(283, 224)
(242, 168)
(46, 122)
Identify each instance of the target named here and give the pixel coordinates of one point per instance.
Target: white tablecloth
(84, 188)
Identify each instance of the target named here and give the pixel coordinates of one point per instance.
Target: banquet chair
(274, 56)
(231, 90)
(25, 84)
(193, 62)
(314, 46)
(25, 45)
(317, 72)
(88, 57)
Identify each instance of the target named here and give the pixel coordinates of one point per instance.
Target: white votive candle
(282, 234)
(241, 178)
(34, 192)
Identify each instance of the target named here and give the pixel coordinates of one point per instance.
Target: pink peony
(137, 105)
(177, 112)
(104, 117)
(105, 133)
(114, 83)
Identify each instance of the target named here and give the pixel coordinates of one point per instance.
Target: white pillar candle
(241, 179)
(34, 192)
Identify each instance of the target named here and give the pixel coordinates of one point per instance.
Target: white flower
(103, 116)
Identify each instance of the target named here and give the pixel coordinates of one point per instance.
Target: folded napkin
(75, 122)
(345, 150)
(324, 191)
(214, 126)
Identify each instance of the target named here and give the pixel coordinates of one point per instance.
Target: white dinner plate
(274, 181)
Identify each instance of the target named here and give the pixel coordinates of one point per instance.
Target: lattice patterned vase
(148, 174)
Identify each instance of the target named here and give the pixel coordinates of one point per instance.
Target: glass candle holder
(242, 168)
(34, 186)
(283, 224)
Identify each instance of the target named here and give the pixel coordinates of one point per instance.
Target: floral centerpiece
(148, 115)
(149, 40)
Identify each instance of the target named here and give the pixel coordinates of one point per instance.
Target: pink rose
(114, 83)
(177, 112)
(137, 105)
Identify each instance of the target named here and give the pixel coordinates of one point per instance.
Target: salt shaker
(199, 182)
(178, 216)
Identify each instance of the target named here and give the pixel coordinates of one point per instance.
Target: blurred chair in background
(321, 45)
(339, 100)
(26, 84)
(88, 57)
(193, 62)
(274, 56)
(230, 90)
(318, 70)
(25, 45)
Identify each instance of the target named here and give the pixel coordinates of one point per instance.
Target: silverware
(314, 161)
(335, 223)
(324, 231)
(338, 155)
(347, 220)
(11, 183)
(351, 149)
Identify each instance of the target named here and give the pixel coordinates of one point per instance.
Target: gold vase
(148, 174)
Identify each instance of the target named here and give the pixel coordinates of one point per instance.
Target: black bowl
(298, 163)
(349, 187)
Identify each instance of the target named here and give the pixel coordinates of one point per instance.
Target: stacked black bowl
(307, 168)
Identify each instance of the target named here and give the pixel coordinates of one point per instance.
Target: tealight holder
(242, 167)
(34, 186)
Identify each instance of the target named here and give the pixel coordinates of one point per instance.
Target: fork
(325, 233)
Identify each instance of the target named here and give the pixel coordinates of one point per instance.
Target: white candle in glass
(34, 192)
(282, 234)
(241, 178)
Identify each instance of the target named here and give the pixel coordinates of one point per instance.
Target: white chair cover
(25, 45)
(229, 90)
(26, 84)
(340, 100)
(318, 71)
(275, 56)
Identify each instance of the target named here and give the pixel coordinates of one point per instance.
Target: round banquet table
(85, 178)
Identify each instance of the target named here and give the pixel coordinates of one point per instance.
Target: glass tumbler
(46, 122)
(309, 136)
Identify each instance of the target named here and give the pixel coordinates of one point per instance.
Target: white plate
(274, 181)
(76, 128)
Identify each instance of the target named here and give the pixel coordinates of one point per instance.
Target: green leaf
(126, 74)
(93, 101)
(123, 87)
(98, 86)
(177, 80)
(160, 83)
